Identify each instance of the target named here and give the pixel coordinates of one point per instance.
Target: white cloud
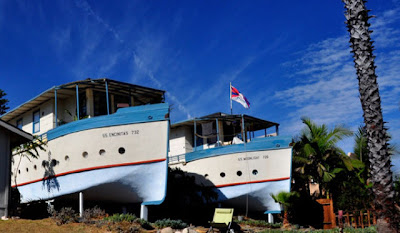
(325, 87)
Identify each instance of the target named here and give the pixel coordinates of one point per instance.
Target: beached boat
(236, 156)
(106, 139)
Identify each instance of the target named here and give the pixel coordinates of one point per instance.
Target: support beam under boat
(270, 218)
(80, 204)
(144, 212)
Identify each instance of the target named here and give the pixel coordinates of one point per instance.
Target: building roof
(252, 123)
(18, 136)
(140, 93)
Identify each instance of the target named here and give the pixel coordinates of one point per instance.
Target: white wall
(46, 118)
(180, 141)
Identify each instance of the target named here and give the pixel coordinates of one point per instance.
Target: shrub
(93, 213)
(145, 224)
(175, 224)
(65, 215)
(259, 223)
(121, 218)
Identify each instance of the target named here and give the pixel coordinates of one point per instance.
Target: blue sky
(289, 58)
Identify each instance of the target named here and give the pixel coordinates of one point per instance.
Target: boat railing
(177, 159)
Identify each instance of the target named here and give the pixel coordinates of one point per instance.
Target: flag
(239, 97)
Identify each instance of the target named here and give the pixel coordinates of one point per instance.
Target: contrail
(84, 5)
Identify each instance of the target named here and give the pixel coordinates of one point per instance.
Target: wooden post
(362, 219)
(369, 218)
(374, 218)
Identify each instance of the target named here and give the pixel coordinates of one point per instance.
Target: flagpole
(230, 94)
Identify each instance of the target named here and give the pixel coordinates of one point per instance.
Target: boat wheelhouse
(104, 138)
(240, 156)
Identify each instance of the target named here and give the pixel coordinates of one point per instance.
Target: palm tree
(316, 155)
(285, 199)
(379, 157)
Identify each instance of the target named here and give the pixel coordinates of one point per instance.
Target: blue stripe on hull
(269, 143)
(130, 184)
(138, 114)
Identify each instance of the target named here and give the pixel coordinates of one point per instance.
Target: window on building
(19, 123)
(36, 121)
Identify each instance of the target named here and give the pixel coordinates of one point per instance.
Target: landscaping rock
(189, 230)
(167, 230)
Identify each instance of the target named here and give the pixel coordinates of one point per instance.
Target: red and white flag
(239, 97)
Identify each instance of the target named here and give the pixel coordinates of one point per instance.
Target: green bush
(259, 223)
(121, 218)
(144, 224)
(175, 224)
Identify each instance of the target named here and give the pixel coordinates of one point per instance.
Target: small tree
(3, 103)
(285, 199)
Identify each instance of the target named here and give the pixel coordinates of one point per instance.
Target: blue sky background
(289, 58)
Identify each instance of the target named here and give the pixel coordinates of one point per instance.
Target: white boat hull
(103, 159)
(253, 171)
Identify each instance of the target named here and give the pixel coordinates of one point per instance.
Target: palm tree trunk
(285, 219)
(379, 157)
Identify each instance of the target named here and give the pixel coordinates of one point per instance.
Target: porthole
(121, 150)
(102, 152)
(255, 172)
(27, 170)
(222, 174)
(19, 171)
(239, 173)
(67, 157)
(85, 154)
(35, 167)
(206, 175)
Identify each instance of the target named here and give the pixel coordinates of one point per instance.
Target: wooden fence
(356, 219)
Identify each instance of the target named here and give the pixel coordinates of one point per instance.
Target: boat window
(121, 150)
(255, 172)
(66, 158)
(239, 173)
(222, 174)
(19, 123)
(35, 167)
(36, 121)
(102, 152)
(27, 169)
(85, 154)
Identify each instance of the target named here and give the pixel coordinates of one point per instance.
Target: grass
(49, 225)
(45, 226)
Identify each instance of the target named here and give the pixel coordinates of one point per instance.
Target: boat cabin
(78, 100)
(215, 130)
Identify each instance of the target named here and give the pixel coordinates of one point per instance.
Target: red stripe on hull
(90, 169)
(252, 182)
